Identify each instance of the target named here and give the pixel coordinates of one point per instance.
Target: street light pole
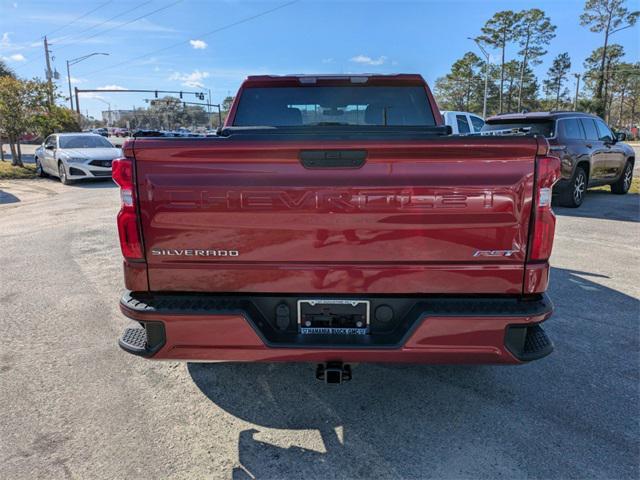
(73, 62)
(108, 111)
(575, 100)
(486, 75)
(209, 110)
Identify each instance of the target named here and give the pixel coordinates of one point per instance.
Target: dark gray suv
(591, 153)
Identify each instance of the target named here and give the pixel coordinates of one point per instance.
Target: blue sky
(170, 50)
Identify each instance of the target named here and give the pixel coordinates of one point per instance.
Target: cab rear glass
(334, 105)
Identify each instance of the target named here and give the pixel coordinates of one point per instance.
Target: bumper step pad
(134, 339)
(528, 342)
(143, 341)
(536, 341)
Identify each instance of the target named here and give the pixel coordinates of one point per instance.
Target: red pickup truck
(335, 220)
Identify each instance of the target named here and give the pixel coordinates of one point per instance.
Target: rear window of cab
(334, 105)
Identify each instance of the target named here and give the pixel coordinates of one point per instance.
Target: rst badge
(494, 253)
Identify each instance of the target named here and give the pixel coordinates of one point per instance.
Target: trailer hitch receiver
(333, 372)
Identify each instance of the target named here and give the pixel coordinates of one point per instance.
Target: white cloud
(365, 60)
(193, 79)
(77, 81)
(15, 4)
(198, 44)
(16, 57)
(111, 87)
(88, 95)
(327, 60)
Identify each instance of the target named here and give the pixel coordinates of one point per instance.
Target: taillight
(544, 224)
(130, 244)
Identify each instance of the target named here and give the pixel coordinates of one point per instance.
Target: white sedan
(75, 156)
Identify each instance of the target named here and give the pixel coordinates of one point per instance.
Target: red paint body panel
(415, 211)
(536, 278)
(135, 276)
(435, 340)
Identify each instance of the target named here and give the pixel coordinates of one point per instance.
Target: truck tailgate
(440, 215)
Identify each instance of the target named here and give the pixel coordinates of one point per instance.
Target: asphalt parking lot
(73, 405)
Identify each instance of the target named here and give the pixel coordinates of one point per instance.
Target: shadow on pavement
(566, 415)
(91, 184)
(6, 197)
(604, 204)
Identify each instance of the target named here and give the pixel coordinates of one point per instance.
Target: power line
(107, 30)
(123, 24)
(99, 24)
(60, 28)
(77, 18)
(202, 35)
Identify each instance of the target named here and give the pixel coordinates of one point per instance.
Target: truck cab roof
(335, 79)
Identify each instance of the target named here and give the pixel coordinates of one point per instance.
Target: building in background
(113, 116)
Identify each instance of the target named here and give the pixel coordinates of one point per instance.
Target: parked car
(591, 153)
(148, 133)
(334, 220)
(463, 123)
(31, 138)
(184, 132)
(121, 132)
(75, 156)
(100, 131)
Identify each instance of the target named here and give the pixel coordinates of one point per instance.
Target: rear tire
(573, 196)
(62, 173)
(623, 184)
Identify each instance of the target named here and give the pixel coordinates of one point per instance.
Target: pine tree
(556, 76)
(498, 32)
(608, 16)
(535, 32)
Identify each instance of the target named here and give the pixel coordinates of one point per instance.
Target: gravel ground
(73, 405)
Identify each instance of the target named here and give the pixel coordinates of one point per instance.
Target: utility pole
(49, 73)
(77, 101)
(69, 80)
(575, 101)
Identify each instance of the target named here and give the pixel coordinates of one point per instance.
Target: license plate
(333, 317)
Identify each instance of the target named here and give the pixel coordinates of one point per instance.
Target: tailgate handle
(333, 158)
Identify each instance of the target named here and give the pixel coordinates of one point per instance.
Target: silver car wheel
(579, 187)
(628, 175)
(62, 172)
